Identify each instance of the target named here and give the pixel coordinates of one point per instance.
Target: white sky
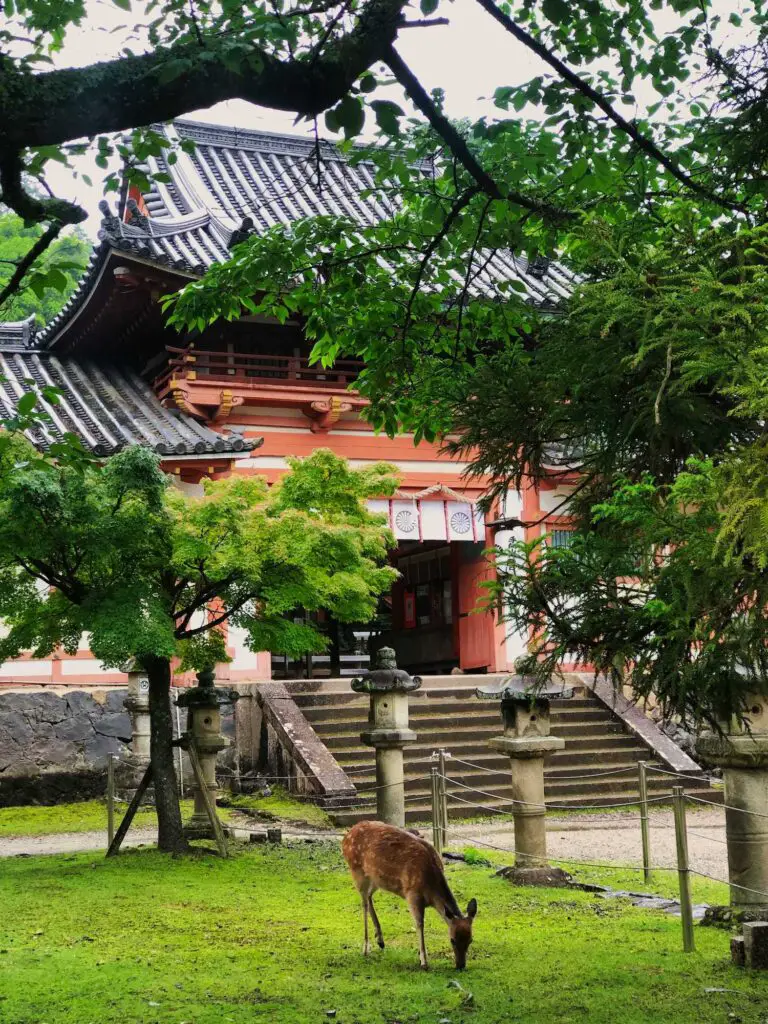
(469, 59)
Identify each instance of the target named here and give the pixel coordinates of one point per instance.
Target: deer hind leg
(416, 908)
(376, 925)
(366, 944)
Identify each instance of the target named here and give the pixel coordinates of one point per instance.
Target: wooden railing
(257, 369)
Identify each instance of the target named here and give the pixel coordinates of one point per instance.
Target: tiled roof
(18, 333)
(107, 407)
(271, 179)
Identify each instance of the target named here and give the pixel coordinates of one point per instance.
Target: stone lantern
(525, 712)
(204, 703)
(132, 766)
(741, 749)
(388, 731)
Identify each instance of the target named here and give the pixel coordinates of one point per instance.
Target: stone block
(756, 945)
(114, 701)
(97, 747)
(76, 730)
(118, 725)
(737, 951)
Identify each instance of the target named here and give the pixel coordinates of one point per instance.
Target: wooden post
(133, 806)
(210, 810)
(642, 768)
(683, 873)
(435, 809)
(443, 797)
(110, 799)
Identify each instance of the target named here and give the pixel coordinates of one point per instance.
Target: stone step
(608, 755)
(477, 746)
(446, 735)
(458, 701)
(499, 786)
(421, 810)
(426, 712)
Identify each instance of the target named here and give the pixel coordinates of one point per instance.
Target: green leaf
(428, 6)
(26, 403)
(387, 116)
(368, 83)
(124, 5)
(556, 11)
(351, 116)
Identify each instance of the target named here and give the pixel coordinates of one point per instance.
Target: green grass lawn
(275, 935)
(281, 805)
(87, 816)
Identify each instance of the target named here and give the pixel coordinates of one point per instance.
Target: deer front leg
(376, 925)
(366, 943)
(416, 908)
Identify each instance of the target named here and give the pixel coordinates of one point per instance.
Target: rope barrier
(728, 807)
(734, 885)
(548, 778)
(553, 807)
(471, 841)
(677, 775)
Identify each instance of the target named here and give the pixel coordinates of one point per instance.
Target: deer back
(399, 862)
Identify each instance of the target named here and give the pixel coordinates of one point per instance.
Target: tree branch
(55, 106)
(457, 145)
(648, 146)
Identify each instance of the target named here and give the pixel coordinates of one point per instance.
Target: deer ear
(471, 909)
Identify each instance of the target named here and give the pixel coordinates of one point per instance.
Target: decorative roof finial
(243, 233)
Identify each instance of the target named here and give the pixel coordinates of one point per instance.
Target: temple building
(241, 397)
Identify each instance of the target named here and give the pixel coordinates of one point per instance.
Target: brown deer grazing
(383, 857)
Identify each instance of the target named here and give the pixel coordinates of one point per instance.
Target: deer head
(460, 934)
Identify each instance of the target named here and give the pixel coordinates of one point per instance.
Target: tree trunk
(335, 647)
(170, 838)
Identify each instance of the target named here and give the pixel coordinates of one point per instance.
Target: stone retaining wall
(54, 747)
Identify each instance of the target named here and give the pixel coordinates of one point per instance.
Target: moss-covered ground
(86, 816)
(274, 934)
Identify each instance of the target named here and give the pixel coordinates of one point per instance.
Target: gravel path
(615, 839)
(605, 838)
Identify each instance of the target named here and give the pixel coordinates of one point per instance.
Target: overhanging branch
(53, 107)
(647, 145)
(458, 146)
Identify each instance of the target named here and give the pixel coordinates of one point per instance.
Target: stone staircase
(452, 717)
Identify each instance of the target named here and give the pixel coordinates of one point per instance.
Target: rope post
(110, 799)
(442, 756)
(683, 872)
(435, 808)
(642, 768)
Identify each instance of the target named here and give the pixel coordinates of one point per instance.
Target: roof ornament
(538, 267)
(110, 223)
(243, 233)
(137, 218)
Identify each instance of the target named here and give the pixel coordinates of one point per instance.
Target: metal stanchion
(644, 828)
(683, 873)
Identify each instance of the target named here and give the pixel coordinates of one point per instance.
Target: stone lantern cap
(525, 690)
(206, 693)
(386, 677)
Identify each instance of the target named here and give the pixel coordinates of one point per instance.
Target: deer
(398, 861)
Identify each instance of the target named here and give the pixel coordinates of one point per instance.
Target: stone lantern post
(742, 751)
(388, 731)
(525, 712)
(132, 766)
(204, 703)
